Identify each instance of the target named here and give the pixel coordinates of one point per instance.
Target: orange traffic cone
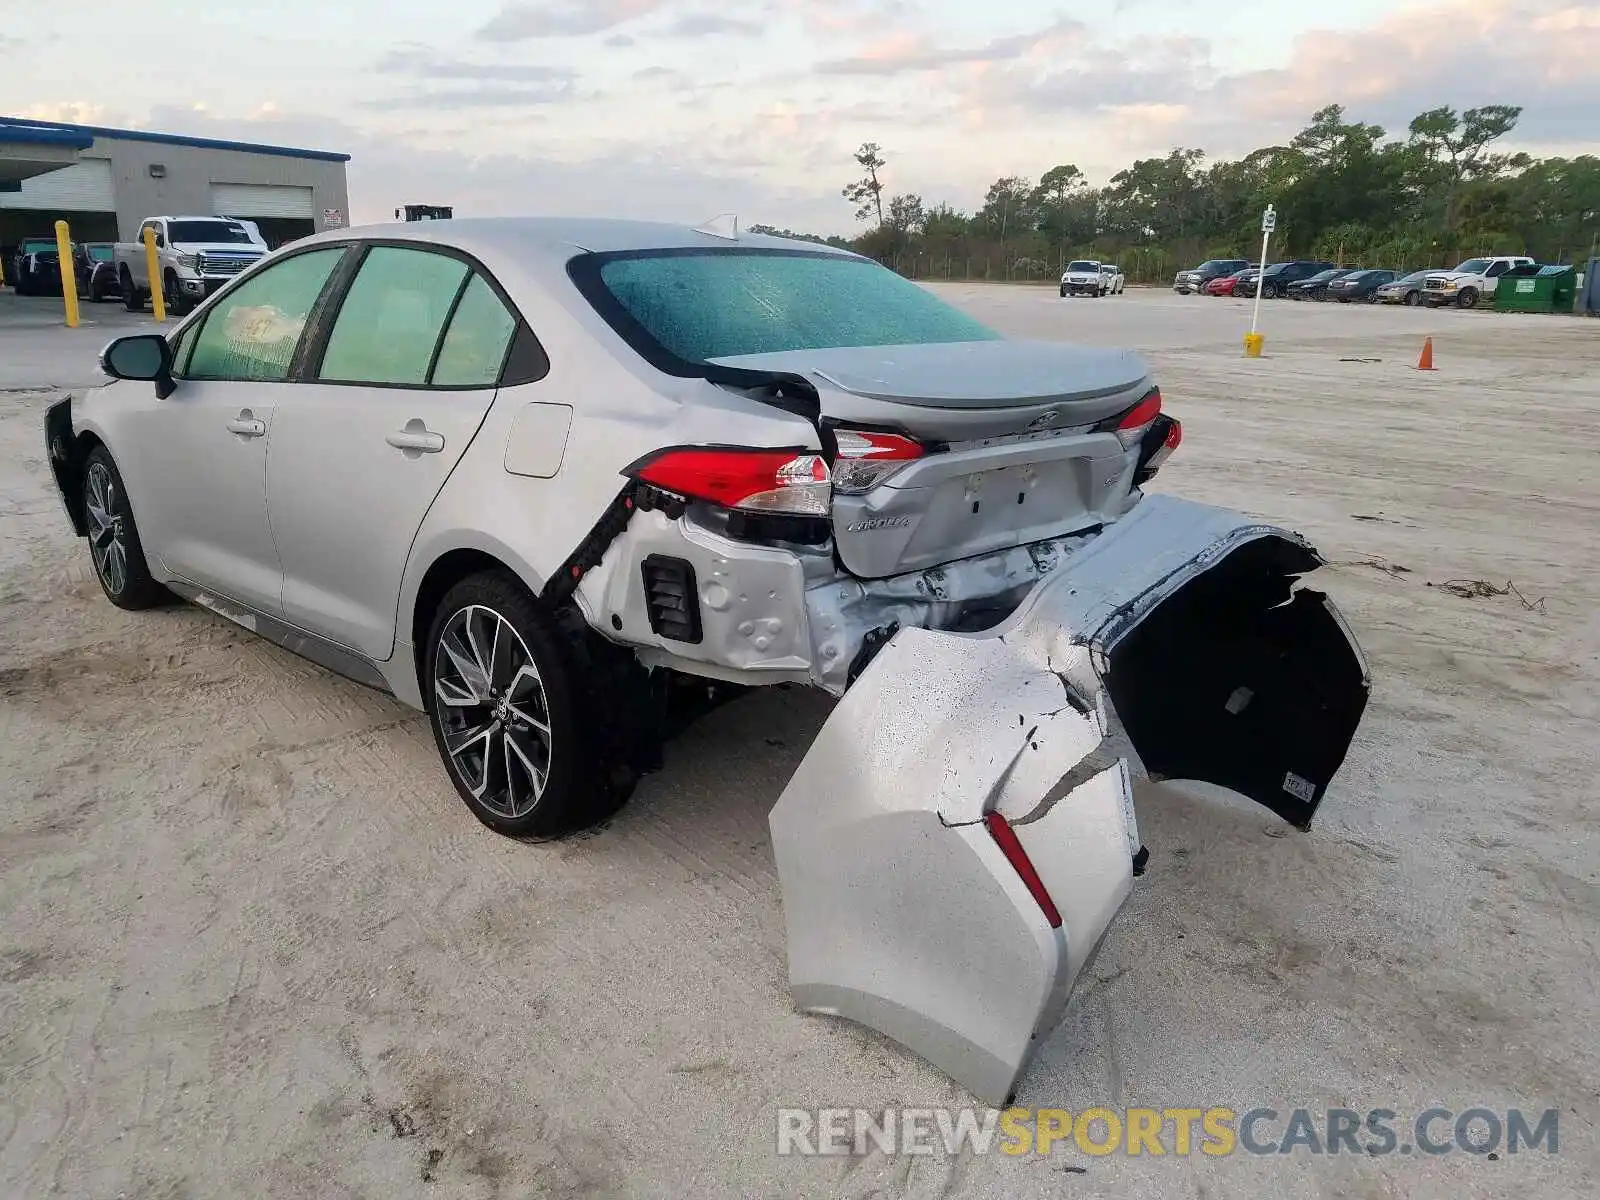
(1425, 363)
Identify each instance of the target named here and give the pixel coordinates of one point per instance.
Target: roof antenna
(725, 226)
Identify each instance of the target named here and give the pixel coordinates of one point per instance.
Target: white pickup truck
(1083, 277)
(195, 256)
(1469, 282)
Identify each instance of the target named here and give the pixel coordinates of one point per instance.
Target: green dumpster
(1536, 289)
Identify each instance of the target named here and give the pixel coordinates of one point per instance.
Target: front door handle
(247, 425)
(415, 439)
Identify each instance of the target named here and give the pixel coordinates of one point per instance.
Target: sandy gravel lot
(251, 944)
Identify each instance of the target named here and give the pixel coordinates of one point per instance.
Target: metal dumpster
(1536, 289)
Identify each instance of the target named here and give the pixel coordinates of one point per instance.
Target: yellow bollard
(69, 273)
(1252, 344)
(152, 267)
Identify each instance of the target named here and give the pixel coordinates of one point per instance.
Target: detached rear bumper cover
(1183, 624)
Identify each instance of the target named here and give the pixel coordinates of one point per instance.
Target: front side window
(389, 324)
(707, 304)
(252, 332)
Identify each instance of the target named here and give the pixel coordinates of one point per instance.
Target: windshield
(1217, 264)
(707, 304)
(1321, 275)
(99, 252)
(1082, 265)
(1416, 276)
(1355, 275)
(1475, 266)
(208, 231)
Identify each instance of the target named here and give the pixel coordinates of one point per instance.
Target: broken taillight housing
(792, 481)
(1131, 426)
(865, 459)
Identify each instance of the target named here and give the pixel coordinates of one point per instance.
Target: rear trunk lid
(1014, 452)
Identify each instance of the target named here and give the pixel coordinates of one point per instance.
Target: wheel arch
(446, 568)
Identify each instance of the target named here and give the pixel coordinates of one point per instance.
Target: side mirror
(139, 356)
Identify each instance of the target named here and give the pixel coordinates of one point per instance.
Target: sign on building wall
(332, 218)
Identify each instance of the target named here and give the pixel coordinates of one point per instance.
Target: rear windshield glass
(207, 231)
(709, 304)
(100, 253)
(1081, 265)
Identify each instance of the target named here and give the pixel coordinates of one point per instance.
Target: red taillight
(780, 481)
(1006, 838)
(1132, 424)
(866, 459)
(1171, 442)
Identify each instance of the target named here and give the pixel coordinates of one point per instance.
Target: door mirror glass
(140, 356)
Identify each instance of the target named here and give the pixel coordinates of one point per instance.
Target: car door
(202, 450)
(359, 450)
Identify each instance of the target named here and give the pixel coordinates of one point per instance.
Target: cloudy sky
(681, 109)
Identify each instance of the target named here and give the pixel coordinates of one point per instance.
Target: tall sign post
(1252, 340)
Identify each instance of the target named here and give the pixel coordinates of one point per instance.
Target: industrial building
(104, 182)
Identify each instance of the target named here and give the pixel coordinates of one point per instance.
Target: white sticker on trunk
(1299, 788)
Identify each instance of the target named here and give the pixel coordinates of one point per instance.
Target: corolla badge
(1047, 417)
(878, 523)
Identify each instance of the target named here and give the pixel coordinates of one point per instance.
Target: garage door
(85, 186)
(257, 200)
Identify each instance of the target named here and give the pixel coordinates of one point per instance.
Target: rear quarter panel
(622, 409)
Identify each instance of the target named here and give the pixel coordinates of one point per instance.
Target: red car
(1229, 285)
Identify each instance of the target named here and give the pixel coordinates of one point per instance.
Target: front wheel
(114, 546)
(1413, 299)
(132, 298)
(1467, 297)
(514, 715)
(177, 302)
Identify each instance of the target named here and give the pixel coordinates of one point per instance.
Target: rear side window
(686, 308)
(252, 332)
(475, 345)
(389, 324)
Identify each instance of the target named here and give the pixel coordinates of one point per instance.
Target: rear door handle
(247, 426)
(415, 437)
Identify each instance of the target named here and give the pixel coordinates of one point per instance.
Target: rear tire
(132, 300)
(518, 713)
(114, 545)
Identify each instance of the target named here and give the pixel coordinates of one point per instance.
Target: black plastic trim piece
(661, 574)
(560, 586)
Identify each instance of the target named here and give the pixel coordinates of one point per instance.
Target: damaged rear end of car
(948, 531)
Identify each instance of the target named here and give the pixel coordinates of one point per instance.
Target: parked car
(1469, 282)
(194, 255)
(87, 257)
(39, 273)
(26, 247)
(1405, 290)
(1359, 285)
(1275, 280)
(1083, 278)
(1229, 285)
(1194, 279)
(1115, 281)
(536, 477)
(22, 271)
(103, 282)
(1315, 287)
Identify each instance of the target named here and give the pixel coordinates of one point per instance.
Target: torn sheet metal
(903, 912)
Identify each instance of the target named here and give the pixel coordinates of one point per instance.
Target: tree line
(1344, 191)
